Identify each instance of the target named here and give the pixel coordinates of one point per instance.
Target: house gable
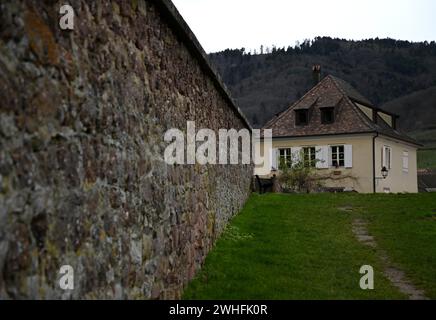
(325, 95)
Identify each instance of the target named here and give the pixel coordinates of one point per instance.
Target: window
(338, 158)
(327, 115)
(301, 117)
(285, 158)
(386, 157)
(309, 156)
(405, 161)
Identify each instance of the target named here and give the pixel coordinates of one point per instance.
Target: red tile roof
(349, 119)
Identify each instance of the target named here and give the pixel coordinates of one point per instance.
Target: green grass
(405, 226)
(427, 154)
(427, 159)
(302, 247)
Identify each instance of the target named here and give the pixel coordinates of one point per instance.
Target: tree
(296, 175)
(300, 175)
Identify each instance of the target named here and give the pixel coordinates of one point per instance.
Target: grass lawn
(302, 247)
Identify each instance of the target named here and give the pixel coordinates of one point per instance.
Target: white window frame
(287, 153)
(337, 155)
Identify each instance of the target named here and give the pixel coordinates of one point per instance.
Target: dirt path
(395, 275)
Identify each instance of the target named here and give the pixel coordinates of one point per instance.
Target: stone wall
(82, 178)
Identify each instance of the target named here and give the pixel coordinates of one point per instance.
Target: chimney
(316, 72)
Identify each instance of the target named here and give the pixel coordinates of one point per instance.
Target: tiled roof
(350, 91)
(332, 92)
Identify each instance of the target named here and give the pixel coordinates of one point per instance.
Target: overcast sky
(221, 24)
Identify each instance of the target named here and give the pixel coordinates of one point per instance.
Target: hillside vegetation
(418, 115)
(381, 69)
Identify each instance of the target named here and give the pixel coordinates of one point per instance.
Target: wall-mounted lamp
(384, 172)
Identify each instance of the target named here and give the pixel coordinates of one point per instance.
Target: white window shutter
(348, 149)
(405, 161)
(384, 157)
(273, 158)
(330, 156)
(322, 157)
(296, 155)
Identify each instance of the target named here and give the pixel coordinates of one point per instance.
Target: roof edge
(401, 135)
(363, 133)
(323, 135)
(182, 30)
(378, 109)
(355, 100)
(412, 141)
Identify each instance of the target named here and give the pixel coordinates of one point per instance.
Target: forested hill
(418, 114)
(381, 69)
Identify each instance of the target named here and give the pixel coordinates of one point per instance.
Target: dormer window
(327, 115)
(388, 118)
(301, 117)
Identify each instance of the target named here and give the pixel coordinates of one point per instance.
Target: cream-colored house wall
(362, 160)
(362, 168)
(397, 180)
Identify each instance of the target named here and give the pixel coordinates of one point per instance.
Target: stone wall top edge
(182, 29)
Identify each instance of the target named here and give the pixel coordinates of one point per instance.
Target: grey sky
(221, 24)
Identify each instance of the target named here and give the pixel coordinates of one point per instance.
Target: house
(349, 141)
